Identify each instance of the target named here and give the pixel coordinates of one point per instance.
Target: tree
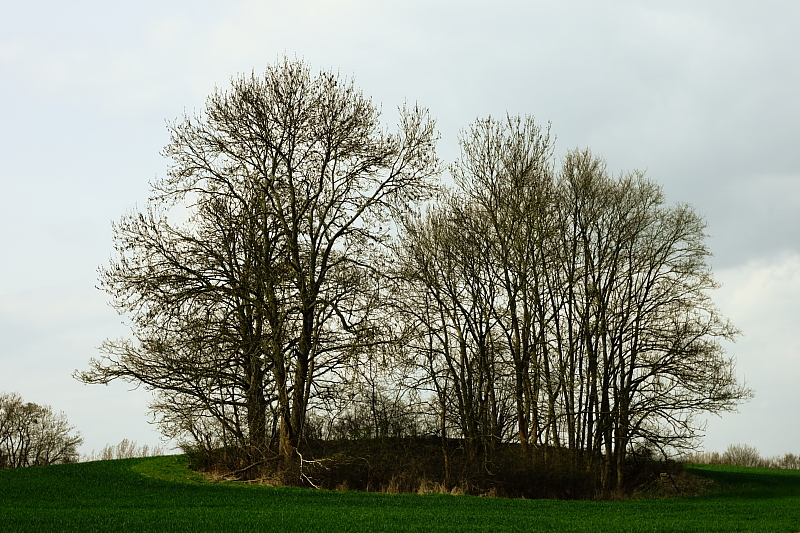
(450, 301)
(646, 345)
(32, 435)
(473, 262)
(289, 183)
(505, 170)
(582, 293)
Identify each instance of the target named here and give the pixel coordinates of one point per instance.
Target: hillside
(160, 494)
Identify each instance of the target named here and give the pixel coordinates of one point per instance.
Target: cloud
(46, 334)
(762, 298)
(702, 95)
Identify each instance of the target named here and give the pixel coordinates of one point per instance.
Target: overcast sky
(703, 95)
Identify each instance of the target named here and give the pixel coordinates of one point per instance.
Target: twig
(303, 475)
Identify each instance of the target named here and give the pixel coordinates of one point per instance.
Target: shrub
(429, 464)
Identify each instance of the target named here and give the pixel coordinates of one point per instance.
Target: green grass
(159, 494)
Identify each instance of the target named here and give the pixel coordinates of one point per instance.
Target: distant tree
(126, 449)
(743, 455)
(32, 435)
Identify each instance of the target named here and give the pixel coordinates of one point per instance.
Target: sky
(701, 95)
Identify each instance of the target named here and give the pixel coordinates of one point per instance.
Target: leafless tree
(289, 182)
(647, 343)
(506, 172)
(32, 435)
(452, 294)
(584, 291)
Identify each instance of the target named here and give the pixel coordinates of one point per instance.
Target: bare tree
(32, 435)
(648, 331)
(505, 170)
(289, 182)
(452, 295)
(585, 291)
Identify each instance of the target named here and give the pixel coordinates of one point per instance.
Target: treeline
(35, 435)
(326, 285)
(744, 455)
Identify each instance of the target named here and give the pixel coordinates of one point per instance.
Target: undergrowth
(425, 465)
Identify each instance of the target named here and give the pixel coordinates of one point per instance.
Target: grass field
(159, 494)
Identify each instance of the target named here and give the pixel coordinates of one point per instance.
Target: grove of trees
(322, 283)
(33, 435)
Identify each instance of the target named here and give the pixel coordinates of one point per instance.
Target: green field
(159, 494)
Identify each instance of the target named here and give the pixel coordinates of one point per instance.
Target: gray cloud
(702, 95)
